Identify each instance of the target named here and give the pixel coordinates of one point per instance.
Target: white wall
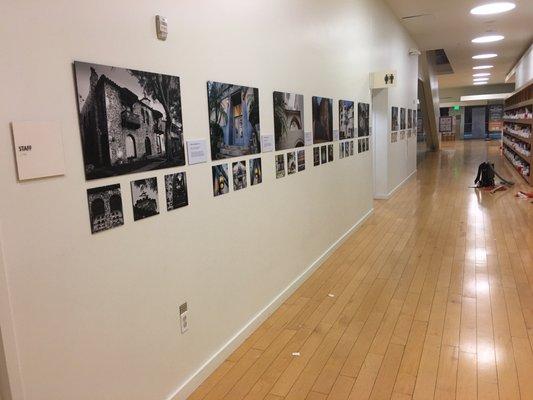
(94, 317)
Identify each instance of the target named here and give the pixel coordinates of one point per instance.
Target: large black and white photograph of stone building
(346, 119)
(144, 198)
(288, 120)
(363, 119)
(239, 175)
(176, 190)
(322, 119)
(105, 208)
(130, 120)
(220, 179)
(233, 120)
(394, 126)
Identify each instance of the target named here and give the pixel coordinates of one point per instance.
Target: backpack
(485, 175)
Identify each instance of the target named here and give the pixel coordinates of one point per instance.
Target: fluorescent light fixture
(493, 8)
(480, 83)
(483, 56)
(483, 67)
(488, 39)
(481, 74)
(476, 97)
(481, 79)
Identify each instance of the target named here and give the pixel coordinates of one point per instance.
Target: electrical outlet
(184, 318)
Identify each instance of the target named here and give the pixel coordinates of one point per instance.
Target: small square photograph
(301, 160)
(144, 197)
(394, 119)
(346, 119)
(402, 118)
(330, 152)
(323, 155)
(363, 115)
(351, 148)
(280, 166)
(402, 135)
(322, 109)
(105, 208)
(220, 179)
(291, 163)
(239, 175)
(341, 149)
(316, 156)
(394, 137)
(360, 146)
(176, 191)
(256, 172)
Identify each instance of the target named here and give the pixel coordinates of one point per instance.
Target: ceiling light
(493, 8)
(488, 39)
(483, 56)
(482, 67)
(486, 78)
(480, 83)
(481, 74)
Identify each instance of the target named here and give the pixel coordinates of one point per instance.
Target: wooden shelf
(523, 157)
(526, 178)
(519, 105)
(519, 121)
(523, 139)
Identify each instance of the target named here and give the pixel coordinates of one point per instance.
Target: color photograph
(402, 118)
(288, 120)
(176, 191)
(144, 197)
(301, 160)
(130, 120)
(316, 156)
(291, 163)
(105, 208)
(394, 119)
(239, 175)
(233, 120)
(363, 118)
(220, 179)
(322, 119)
(280, 166)
(256, 171)
(346, 119)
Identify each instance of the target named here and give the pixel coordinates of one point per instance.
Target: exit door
(478, 123)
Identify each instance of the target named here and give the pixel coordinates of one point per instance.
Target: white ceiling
(449, 25)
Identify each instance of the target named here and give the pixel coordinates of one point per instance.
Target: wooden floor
(432, 298)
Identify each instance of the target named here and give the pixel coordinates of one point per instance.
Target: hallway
(431, 297)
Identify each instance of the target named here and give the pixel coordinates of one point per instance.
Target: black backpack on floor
(485, 175)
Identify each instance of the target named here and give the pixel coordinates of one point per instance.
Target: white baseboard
(193, 381)
(387, 196)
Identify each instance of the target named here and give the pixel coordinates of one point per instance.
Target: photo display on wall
(292, 166)
(301, 160)
(220, 179)
(144, 198)
(130, 120)
(239, 175)
(256, 171)
(363, 118)
(105, 208)
(233, 120)
(323, 155)
(409, 119)
(176, 191)
(394, 119)
(402, 118)
(330, 152)
(316, 156)
(394, 137)
(280, 166)
(346, 119)
(322, 108)
(288, 120)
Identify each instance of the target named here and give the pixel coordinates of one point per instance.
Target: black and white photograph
(288, 120)
(402, 135)
(105, 207)
(144, 198)
(316, 156)
(341, 150)
(394, 137)
(130, 120)
(330, 152)
(322, 119)
(220, 179)
(363, 118)
(256, 171)
(347, 149)
(360, 146)
(280, 166)
(394, 119)
(346, 119)
(291, 163)
(176, 191)
(301, 160)
(323, 155)
(233, 120)
(351, 148)
(402, 118)
(367, 141)
(409, 118)
(239, 175)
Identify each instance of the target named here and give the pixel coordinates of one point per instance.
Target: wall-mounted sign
(308, 138)
(495, 117)
(383, 79)
(197, 151)
(267, 143)
(446, 124)
(38, 149)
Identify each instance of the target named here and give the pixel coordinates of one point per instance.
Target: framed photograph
(239, 175)
(256, 171)
(144, 198)
(301, 160)
(323, 155)
(346, 119)
(292, 166)
(330, 152)
(176, 191)
(220, 179)
(233, 120)
(322, 119)
(402, 118)
(394, 119)
(316, 156)
(105, 208)
(363, 119)
(130, 120)
(288, 120)
(280, 166)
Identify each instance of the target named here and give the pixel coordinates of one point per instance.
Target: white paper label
(308, 138)
(335, 135)
(267, 143)
(197, 151)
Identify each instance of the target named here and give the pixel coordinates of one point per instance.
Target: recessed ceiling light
(488, 39)
(482, 67)
(480, 83)
(481, 79)
(481, 74)
(493, 8)
(483, 56)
